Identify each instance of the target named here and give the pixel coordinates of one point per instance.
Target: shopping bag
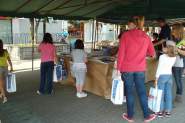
(117, 91)
(11, 83)
(57, 73)
(154, 99)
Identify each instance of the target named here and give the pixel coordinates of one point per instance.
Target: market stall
(99, 74)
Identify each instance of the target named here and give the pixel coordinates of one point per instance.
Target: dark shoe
(125, 117)
(150, 118)
(178, 98)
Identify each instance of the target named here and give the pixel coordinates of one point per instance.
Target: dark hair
(79, 44)
(156, 35)
(1, 48)
(47, 38)
(161, 20)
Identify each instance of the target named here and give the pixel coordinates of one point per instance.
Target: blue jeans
(165, 84)
(177, 73)
(46, 79)
(138, 79)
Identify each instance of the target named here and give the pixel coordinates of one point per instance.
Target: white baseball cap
(170, 43)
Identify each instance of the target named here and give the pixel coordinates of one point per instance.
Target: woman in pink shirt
(134, 46)
(48, 57)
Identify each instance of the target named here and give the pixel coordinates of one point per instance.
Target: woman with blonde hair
(177, 69)
(134, 46)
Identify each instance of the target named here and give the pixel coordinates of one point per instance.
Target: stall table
(99, 76)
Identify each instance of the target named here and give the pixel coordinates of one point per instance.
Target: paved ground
(25, 64)
(25, 106)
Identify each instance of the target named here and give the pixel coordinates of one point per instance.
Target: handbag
(11, 83)
(154, 99)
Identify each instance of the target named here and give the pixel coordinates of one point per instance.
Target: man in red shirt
(135, 45)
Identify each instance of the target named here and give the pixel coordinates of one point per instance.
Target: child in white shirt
(164, 78)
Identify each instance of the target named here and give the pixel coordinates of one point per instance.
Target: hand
(155, 83)
(11, 70)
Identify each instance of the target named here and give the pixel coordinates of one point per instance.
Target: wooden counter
(99, 76)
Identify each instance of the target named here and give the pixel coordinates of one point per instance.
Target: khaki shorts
(4, 72)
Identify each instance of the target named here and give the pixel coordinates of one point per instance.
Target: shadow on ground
(25, 106)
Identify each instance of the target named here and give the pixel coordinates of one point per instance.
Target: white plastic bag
(11, 83)
(57, 73)
(117, 91)
(154, 99)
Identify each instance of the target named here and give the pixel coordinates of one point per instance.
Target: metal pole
(44, 26)
(32, 38)
(97, 30)
(11, 31)
(92, 34)
(95, 33)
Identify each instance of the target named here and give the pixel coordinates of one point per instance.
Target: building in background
(17, 30)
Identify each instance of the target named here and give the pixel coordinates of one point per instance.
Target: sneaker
(38, 92)
(78, 95)
(81, 95)
(150, 118)
(125, 117)
(167, 114)
(5, 99)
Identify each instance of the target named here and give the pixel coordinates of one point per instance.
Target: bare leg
(2, 89)
(78, 88)
(81, 88)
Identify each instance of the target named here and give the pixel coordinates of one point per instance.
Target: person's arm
(85, 58)
(159, 42)
(121, 51)
(39, 48)
(181, 52)
(9, 61)
(158, 72)
(150, 50)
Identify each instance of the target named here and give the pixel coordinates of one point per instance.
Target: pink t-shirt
(48, 52)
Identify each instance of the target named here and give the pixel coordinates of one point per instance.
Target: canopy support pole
(92, 34)
(44, 26)
(32, 39)
(97, 30)
(95, 34)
